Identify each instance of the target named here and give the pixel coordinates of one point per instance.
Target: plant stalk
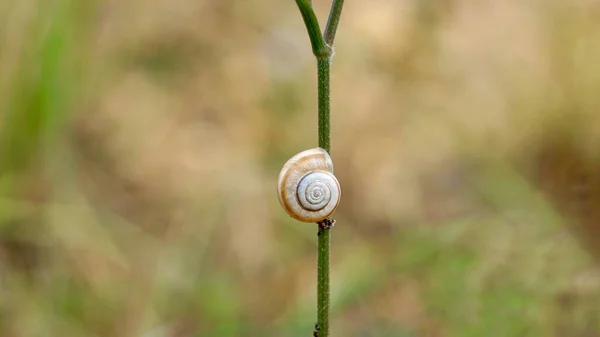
(332, 22)
(324, 104)
(323, 51)
(319, 47)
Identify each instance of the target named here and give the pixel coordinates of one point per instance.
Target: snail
(307, 189)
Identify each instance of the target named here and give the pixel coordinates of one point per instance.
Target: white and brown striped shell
(307, 188)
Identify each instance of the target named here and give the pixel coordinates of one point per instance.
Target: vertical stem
(323, 94)
(324, 237)
(323, 252)
(323, 51)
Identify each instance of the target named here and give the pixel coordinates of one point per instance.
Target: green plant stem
(323, 51)
(324, 233)
(324, 105)
(323, 267)
(319, 47)
(332, 22)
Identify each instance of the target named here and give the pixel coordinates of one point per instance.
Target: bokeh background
(140, 143)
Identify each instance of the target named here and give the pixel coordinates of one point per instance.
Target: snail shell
(307, 188)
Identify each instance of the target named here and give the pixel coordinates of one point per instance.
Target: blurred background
(140, 144)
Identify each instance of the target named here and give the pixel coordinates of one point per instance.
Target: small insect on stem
(316, 331)
(325, 224)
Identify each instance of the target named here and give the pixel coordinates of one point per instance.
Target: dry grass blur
(140, 145)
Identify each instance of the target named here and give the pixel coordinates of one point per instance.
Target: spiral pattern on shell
(307, 188)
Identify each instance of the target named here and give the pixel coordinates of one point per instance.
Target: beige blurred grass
(150, 210)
